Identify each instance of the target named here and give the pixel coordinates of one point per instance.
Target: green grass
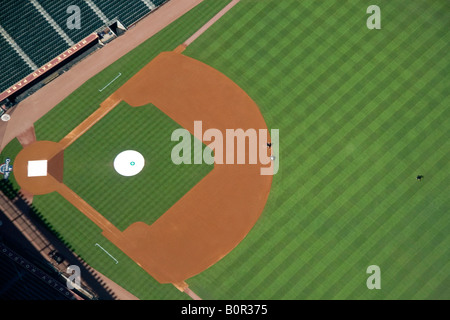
(89, 169)
(361, 113)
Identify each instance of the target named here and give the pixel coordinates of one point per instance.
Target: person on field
(419, 178)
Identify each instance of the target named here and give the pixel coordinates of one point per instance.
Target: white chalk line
(107, 253)
(110, 82)
(206, 26)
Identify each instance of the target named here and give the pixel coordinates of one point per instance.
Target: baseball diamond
(168, 82)
(356, 207)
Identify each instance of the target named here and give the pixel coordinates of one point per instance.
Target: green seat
(14, 68)
(89, 19)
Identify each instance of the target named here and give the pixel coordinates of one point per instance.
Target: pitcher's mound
(129, 163)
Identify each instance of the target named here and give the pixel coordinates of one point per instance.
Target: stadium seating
(89, 20)
(31, 31)
(158, 2)
(13, 68)
(17, 282)
(40, 41)
(126, 11)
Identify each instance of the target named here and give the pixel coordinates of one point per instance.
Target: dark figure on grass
(419, 178)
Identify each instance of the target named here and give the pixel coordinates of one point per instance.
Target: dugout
(49, 71)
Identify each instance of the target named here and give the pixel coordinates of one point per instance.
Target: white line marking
(110, 82)
(219, 15)
(107, 253)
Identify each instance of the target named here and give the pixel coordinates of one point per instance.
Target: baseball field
(360, 113)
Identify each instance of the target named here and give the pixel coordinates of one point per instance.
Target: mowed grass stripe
(306, 91)
(316, 142)
(430, 261)
(332, 250)
(413, 260)
(343, 288)
(324, 67)
(235, 49)
(393, 257)
(397, 231)
(221, 49)
(434, 228)
(368, 98)
(326, 191)
(439, 282)
(292, 154)
(286, 90)
(318, 164)
(368, 211)
(341, 219)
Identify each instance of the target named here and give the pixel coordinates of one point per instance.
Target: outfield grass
(89, 169)
(361, 113)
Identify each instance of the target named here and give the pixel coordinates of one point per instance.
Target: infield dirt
(213, 217)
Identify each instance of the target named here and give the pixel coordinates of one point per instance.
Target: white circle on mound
(129, 163)
(6, 117)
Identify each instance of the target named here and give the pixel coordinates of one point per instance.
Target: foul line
(210, 23)
(105, 107)
(110, 82)
(107, 253)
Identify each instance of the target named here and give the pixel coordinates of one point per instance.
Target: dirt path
(192, 294)
(38, 104)
(105, 107)
(27, 137)
(107, 227)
